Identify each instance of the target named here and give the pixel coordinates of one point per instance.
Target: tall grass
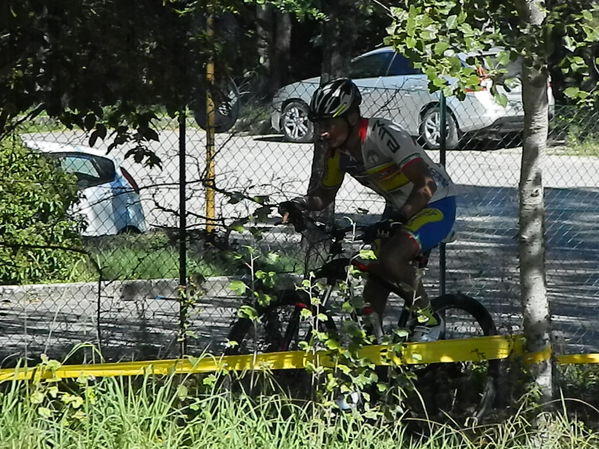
(194, 412)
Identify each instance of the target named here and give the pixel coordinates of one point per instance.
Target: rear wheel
(430, 130)
(460, 390)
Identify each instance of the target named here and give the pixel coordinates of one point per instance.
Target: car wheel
(226, 99)
(430, 130)
(129, 230)
(295, 124)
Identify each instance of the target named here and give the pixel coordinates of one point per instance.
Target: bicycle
(442, 388)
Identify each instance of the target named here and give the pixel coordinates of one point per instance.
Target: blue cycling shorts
(432, 224)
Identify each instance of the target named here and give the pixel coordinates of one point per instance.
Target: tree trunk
(273, 29)
(533, 290)
(337, 35)
(280, 51)
(264, 33)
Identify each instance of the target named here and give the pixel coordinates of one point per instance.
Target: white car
(392, 88)
(110, 199)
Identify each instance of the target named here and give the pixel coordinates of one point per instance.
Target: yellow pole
(210, 131)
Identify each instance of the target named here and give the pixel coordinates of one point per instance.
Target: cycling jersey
(386, 150)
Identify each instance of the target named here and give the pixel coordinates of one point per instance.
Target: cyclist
(420, 196)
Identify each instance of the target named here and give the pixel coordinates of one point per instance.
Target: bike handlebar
(338, 233)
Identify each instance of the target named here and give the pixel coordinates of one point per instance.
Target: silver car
(110, 201)
(392, 88)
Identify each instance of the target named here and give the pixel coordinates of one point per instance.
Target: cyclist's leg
(375, 294)
(395, 262)
(424, 231)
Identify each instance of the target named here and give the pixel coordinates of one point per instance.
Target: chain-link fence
(126, 299)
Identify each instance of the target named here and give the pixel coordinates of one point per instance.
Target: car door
(367, 72)
(406, 92)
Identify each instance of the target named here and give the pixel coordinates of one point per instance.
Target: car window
(370, 66)
(90, 170)
(401, 66)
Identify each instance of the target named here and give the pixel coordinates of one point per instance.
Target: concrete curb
(129, 290)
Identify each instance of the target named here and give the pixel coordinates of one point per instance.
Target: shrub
(34, 199)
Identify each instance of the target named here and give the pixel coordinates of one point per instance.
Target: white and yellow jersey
(386, 150)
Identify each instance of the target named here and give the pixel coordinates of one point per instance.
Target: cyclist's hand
(293, 211)
(381, 230)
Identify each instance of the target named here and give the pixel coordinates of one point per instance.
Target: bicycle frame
(334, 270)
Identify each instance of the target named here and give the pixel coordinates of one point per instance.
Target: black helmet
(334, 99)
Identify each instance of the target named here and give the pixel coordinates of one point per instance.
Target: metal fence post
(210, 138)
(183, 300)
(442, 161)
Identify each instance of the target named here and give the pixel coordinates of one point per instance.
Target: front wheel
(277, 327)
(460, 390)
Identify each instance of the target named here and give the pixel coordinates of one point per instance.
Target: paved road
(483, 261)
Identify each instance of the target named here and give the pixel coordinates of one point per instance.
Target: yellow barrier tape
(443, 351)
(480, 348)
(577, 359)
(539, 356)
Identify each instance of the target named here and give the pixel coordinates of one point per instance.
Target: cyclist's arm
(424, 187)
(320, 198)
(398, 144)
(325, 189)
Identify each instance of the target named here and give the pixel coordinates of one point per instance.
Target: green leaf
(182, 392)
(501, 99)
(209, 380)
(367, 254)
(451, 22)
(402, 333)
(260, 199)
(37, 397)
(45, 412)
(263, 299)
(440, 48)
(572, 92)
(53, 391)
(306, 313)
(238, 287)
(249, 312)
(331, 343)
(236, 197)
(237, 226)
(569, 43)
(272, 258)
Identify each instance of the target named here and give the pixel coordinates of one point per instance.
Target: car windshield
(90, 170)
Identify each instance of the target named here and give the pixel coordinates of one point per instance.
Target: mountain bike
(450, 389)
